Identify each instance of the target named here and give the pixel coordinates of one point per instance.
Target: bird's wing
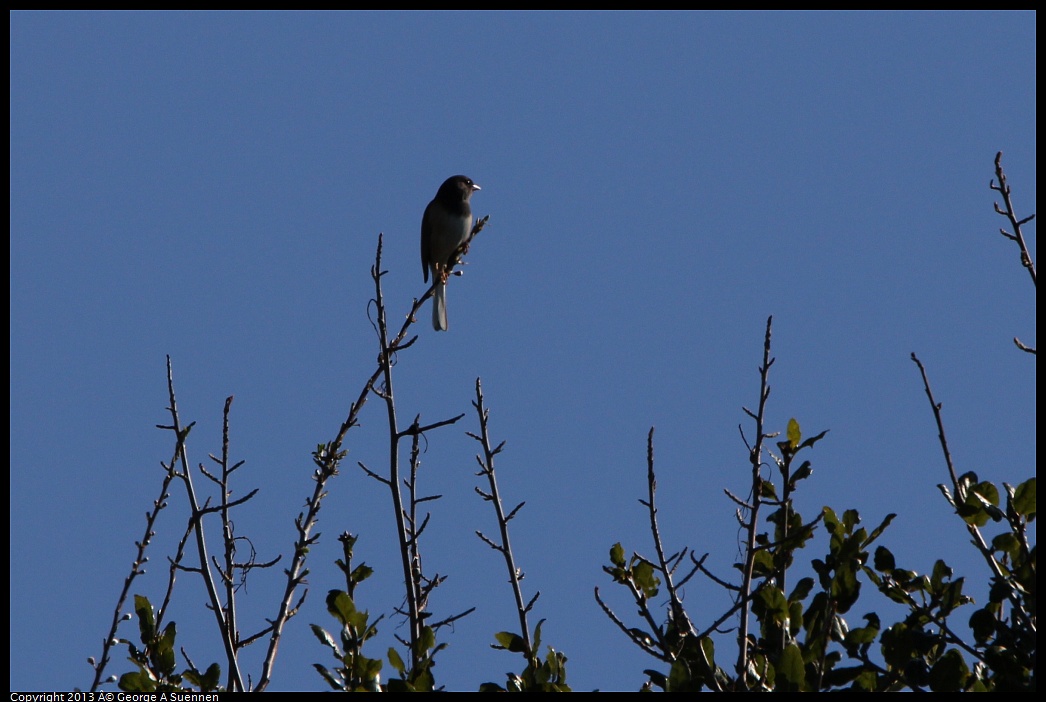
(426, 236)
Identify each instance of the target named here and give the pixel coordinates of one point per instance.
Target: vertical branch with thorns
(409, 525)
(235, 679)
(679, 622)
(503, 546)
(751, 522)
(1017, 236)
(233, 573)
(140, 559)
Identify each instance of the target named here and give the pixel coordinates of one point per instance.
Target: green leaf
(772, 604)
(795, 435)
(554, 672)
(767, 490)
(862, 635)
(657, 678)
(1000, 590)
(1024, 499)
(146, 622)
(763, 564)
(813, 439)
(949, 673)
(987, 492)
(537, 635)
(838, 677)
(982, 623)
(846, 588)
(878, 530)
(400, 685)
(790, 669)
(941, 572)
(801, 590)
(804, 471)
(334, 683)
(981, 503)
(427, 640)
(341, 606)
(831, 521)
(364, 674)
(643, 575)
(795, 618)
(708, 651)
(973, 513)
(396, 661)
(424, 682)
(1007, 543)
(207, 682)
(678, 677)
(325, 638)
(164, 650)
(952, 596)
(617, 555)
(361, 573)
(138, 681)
(896, 645)
(884, 561)
(511, 642)
(211, 678)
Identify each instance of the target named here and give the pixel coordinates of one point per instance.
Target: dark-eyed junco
(444, 227)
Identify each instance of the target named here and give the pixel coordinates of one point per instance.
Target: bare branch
(486, 461)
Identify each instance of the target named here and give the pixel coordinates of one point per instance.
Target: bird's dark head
(457, 188)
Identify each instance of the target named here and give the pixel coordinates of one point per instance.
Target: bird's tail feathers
(439, 308)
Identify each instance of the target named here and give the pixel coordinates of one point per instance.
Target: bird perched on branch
(444, 227)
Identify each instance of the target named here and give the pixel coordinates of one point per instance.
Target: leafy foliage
(156, 660)
(355, 672)
(540, 675)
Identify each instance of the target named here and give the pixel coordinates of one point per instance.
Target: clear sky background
(211, 186)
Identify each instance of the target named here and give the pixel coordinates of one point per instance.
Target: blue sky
(211, 186)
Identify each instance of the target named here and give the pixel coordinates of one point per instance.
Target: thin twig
(679, 617)
(756, 459)
(235, 680)
(486, 462)
(140, 559)
(1004, 189)
(1017, 235)
(960, 489)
